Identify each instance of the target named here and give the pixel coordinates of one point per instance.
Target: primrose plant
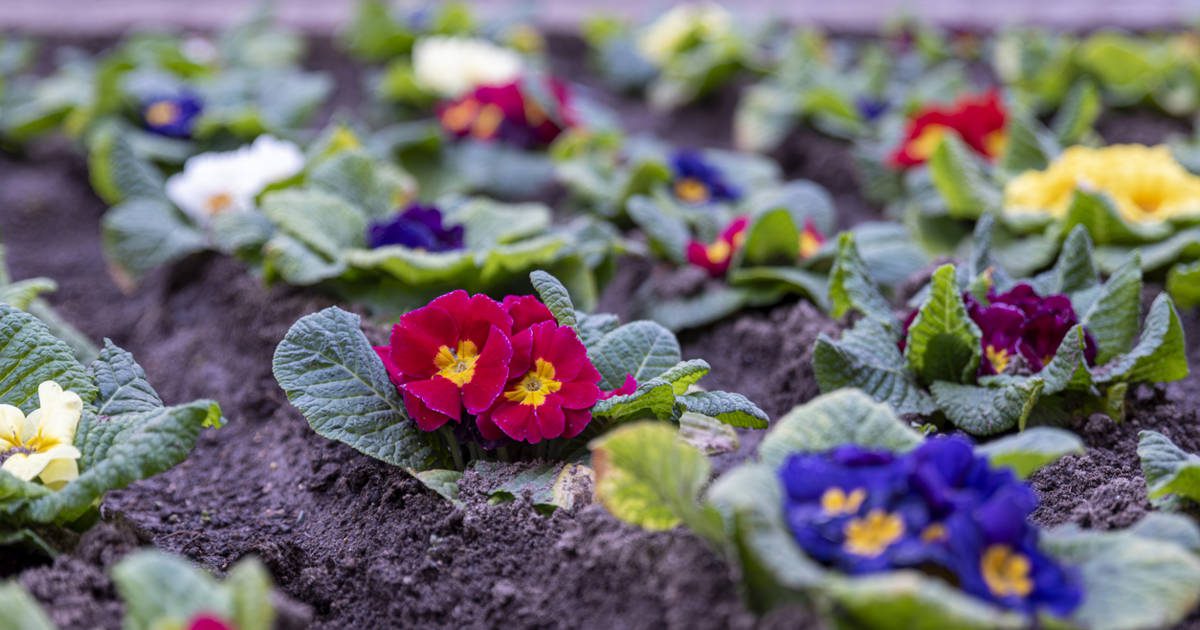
(847, 509)
(467, 381)
(70, 433)
(164, 591)
(989, 353)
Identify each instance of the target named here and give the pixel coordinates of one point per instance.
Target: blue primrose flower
(172, 116)
(871, 108)
(939, 508)
(417, 227)
(697, 181)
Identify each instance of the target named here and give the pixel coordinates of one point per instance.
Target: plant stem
(453, 445)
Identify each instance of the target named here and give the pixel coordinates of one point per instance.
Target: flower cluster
(940, 508)
(978, 120)
(453, 66)
(1146, 184)
(172, 116)
(1020, 330)
(696, 181)
(717, 256)
(509, 364)
(682, 27)
(509, 113)
(216, 183)
(42, 444)
(417, 227)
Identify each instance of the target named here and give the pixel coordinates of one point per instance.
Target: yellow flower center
(536, 386)
(935, 532)
(923, 146)
(457, 366)
(995, 142)
(836, 501)
(692, 190)
(719, 251)
(998, 358)
(459, 117)
(810, 244)
(1006, 572)
(871, 535)
(218, 203)
(162, 113)
(487, 122)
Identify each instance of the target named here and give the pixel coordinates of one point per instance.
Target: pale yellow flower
(44, 440)
(1146, 184)
(668, 34)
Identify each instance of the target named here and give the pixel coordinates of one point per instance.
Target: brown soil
(358, 543)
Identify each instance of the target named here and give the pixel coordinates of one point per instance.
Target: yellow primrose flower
(1146, 184)
(43, 441)
(668, 34)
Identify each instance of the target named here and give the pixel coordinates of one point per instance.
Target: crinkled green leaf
(1113, 316)
(685, 374)
(121, 383)
(732, 409)
(783, 280)
(852, 288)
(1167, 468)
(321, 220)
(1075, 270)
(21, 610)
(987, 410)
(550, 485)
(646, 475)
(249, 585)
(332, 375)
(489, 223)
(1028, 145)
(667, 231)
(867, 358)
(555, 296)
(653, 399)
(117, 172)
(692, 312)
(1077, 114)
(909, 599)
(22, 294)
(375, 187)
(1160, 355)
(644, 349)
(847, 416)
(161, 590)
(772, 237)
(1029, 450)
(943, 341)
(1183, 283)
(592, 327)
(1175, 528)
(958, 175)
(144, 233)
(1096, 212)
(29, 355)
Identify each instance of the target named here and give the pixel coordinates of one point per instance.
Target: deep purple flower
(172, 116)
(871, 108)
(697, 181)
(418, 227)
(1021, 330)
(940, 507)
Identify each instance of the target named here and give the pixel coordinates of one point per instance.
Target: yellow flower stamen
(1006, 572)
(459, 117)
(487, 122)
(935, 532)
(218, 203)
(995, 143)
(923, 146)
(810, 244)
(873, 534)
(457, 366)
(836, 501)
(999, 358)
(718, 252)
(162, 113)
(692, 190)
(536, 386)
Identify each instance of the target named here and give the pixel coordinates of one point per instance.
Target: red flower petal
(491, 373)
(204, 621)
(438, 394)
(522, 354)
(385, 355)
(578, 395)
(513, 419)
(564, 349)
(488, 428)
(483, 314)
(577, 421)
(426, 418)
(628, 387)
(550, 420)
(526, 310)
(417, 338)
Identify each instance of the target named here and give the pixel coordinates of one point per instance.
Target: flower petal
(513, 419)
(12, 421)
(550, 420)
(577, 420)
(491, 373)
(578, 395)
(438, 394)
(25, 466)
(426, 418)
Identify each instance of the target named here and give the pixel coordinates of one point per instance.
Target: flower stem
(453, 445)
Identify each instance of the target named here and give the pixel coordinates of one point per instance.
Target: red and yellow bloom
(978, 120)
(505, 112)
(716, 257)
(450, 355)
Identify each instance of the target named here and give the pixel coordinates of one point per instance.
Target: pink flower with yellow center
(811, 240)
(716, 257)
(978, 120)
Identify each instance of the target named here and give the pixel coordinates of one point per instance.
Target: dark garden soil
(353, 542)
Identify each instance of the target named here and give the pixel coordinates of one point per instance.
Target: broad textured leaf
(320, 220)
(555, 296)
(647, 476)
(1077, 114)
(1027, 144)
(846, 416)
(1096, 212)
(22, 294)
(549, 485)
(160, 589)
(685, 374)
(249, 585)
(121, 383)
(909, 599)
(117, 172)
(1029, 450)
(1160, 355)
(943, 341)
(1175, 528)
(287, 257)
(29, 355)
(772, 237)
(1183, 283)
(866, 357)
(667, 231)
(1167, 468)
(489, 223)
(375, 187)
(332, 375)
(783, 280)
(987, 410)
(654, 399)
(21, 610)
(958, 175)
(692, 312)
(732, 409)
(142, 234)
(1113, 316)
(443, 482)
(592, 327)
(1075, 270)
(643, 349)
(852, 288)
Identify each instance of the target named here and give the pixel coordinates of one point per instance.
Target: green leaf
(846, 416)
(30, 355)
(1075, 270)
(1129, 581)
(987, 410)
(144, 233)
(249, 585)
(21, 610)
(1167, 468)
(867, 358)
(1097, 213)
(647, 476)
(332, 375)
(644, 349)
(1160, 355)
(909, 599)
(943, 342)
(121, 383)
(667, 231)
(1183, 282)
(163, 591)
(782, 281)
(732, 409)
(653, 399)
(703, 309)
(373, 186)
(772, 237)
(443, 482)
(322, 221)
(1078, 112)
(1113, 316)
(550, 485)
(22, 294)
(117, 172)
(1027, 146)
(1029, 450)
(961, 180)
(851, 287)
(555, 296)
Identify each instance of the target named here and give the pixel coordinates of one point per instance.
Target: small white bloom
(670, 32)
(199, 49)
(453, 66)
(216, 183)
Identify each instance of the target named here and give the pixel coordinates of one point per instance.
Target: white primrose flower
(453, 66)
(217, 183)
(671, 31)
(42, 444)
